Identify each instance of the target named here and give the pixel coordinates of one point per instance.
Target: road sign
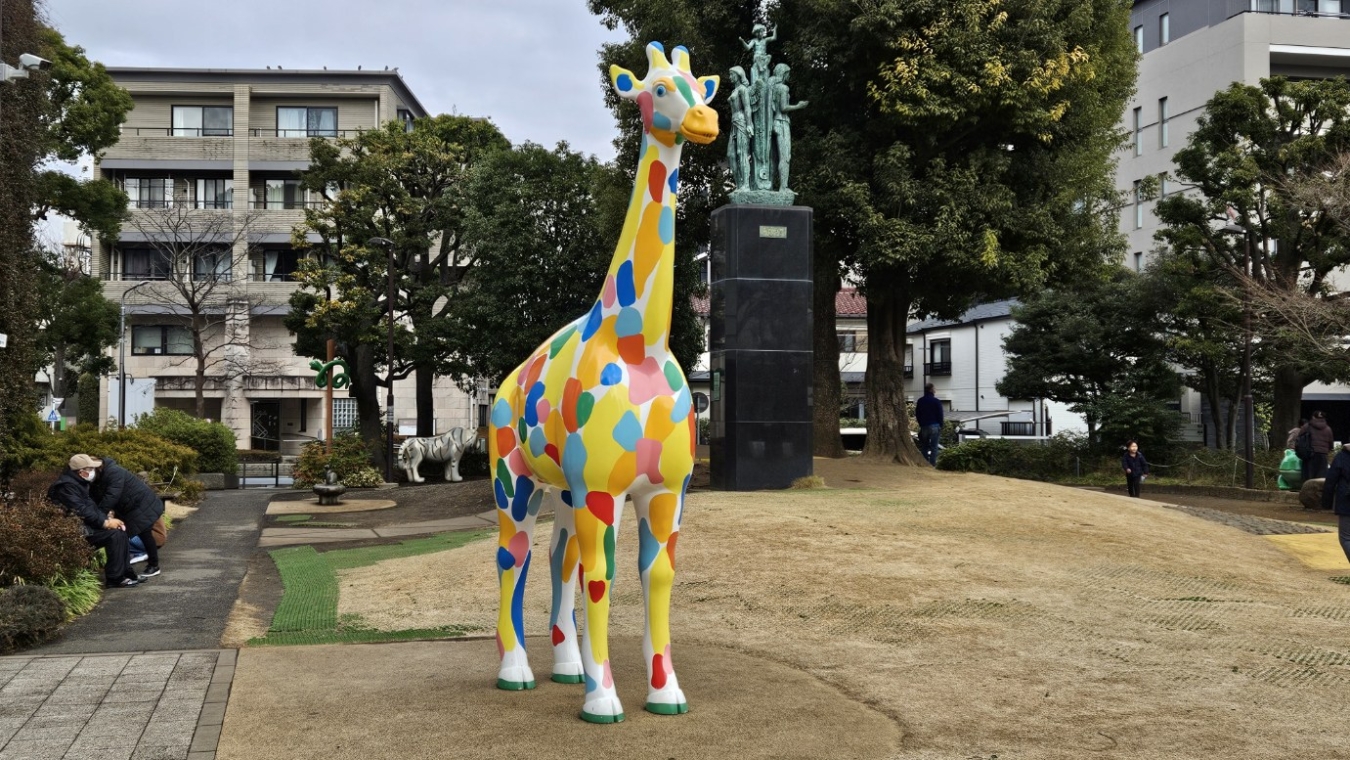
(52, 416)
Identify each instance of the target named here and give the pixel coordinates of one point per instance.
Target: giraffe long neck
(639, 288)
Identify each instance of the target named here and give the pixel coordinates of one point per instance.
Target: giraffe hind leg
(564, 566)
(518, 500)
(658, 518)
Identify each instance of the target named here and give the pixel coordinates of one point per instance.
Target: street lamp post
(1248, 409)
(388, 245)
(122, 357)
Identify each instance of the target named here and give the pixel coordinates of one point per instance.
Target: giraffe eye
(660, 91)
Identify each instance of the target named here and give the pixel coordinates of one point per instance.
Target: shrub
(474, 463)
(258, 455)
(88, 401)
(1051, 460)
(349, 455)
(213, 442)
(79, 593)
(40, 542)
(29, 615)
(135, 449)
(189, 491)
(33, 484)
(366, 477)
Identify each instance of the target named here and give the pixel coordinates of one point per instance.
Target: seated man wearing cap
(120, 492)
(71, 491)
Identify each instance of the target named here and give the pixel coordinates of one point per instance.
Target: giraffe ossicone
(600, 413)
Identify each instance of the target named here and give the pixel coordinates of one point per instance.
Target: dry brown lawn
(983, 616)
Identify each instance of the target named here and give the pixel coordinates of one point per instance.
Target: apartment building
(209, 159)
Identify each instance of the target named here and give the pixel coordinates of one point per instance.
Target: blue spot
(684, 491)
(674, 181)
(628, 323)
(623, 283)
(624, 82)
(681, 47)
(591, 685)
(666, 227)
(611, 374)
(532, 404)
(709, 90)
(520, 504)
(592, 322)
(499, 491)
(682, 403)
(657, 45)
(661, 121)
(537, 441)
(628, 431)
(555, 566)
(518, 602)
(501, 414)
(567, 498)
(505, 559)
(574, 469)
(536, 501)
(648, 546)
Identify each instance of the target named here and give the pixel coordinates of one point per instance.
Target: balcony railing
(286, 205)
(274, 277)
(909, 371)
(128, 131)
(937, 369)
(215, 205)
(304, 134)
(1306, 8)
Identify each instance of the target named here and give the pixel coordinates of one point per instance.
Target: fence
(265, 474)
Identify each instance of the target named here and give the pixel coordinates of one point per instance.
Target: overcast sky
(529, 65)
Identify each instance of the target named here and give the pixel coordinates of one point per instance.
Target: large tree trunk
(426, 403)
(365, 388)
(1288, 390)
(199, 379)
(825, 371)
(1221, 440)
(888, 435)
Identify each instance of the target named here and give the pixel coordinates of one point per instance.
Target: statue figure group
(759, 118)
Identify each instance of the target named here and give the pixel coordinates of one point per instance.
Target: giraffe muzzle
(699, 125)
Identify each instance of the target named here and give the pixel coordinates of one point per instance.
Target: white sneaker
(137, 559)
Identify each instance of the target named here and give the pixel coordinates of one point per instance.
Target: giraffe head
(674, 103)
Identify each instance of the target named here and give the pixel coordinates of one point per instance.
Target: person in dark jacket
(1135, 466)
(71, 493)
(1322, 441)
(928, 414)
(1336, 495)
(120, 492)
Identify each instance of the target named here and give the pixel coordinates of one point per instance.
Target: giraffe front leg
(565, 565)
(517, 507)
(658, 530)
(597, 523)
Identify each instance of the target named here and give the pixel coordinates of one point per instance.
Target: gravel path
(1261, 526)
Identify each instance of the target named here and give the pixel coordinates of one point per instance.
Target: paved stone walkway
(272, 537)
(128, 706)
(1261, 526)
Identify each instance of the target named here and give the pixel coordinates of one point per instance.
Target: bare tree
(200, 262)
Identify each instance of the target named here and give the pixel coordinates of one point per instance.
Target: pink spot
(501, 650)
(542, 409)
(558, 636)
(596, 589)
(670, 665)
(609, 676)
(644, 104)
(670, 548)
(608, 293)
(658, 672)
(515, 461)
(649, 459)
(519, 546)
(646, 381)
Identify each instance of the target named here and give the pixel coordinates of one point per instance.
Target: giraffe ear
(709, 87)
(627, 85)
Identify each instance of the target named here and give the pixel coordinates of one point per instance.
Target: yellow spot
(648, 249)
(600, 350)
(624, 472)
(661, 513)
(659, 423)
(506, 630)
(571, 553)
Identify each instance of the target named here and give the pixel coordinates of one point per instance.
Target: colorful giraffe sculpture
(601, 412)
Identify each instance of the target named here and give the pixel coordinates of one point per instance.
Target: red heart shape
(558, 636)
(597, 589)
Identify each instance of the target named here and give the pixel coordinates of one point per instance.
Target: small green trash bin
(1291, 472)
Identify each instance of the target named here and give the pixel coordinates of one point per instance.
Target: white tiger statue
(447, 447)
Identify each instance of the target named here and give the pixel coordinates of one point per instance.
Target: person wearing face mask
(71, 493)
(120, 493)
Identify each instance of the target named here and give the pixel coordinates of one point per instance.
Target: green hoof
(560, 678)
(514, 685)
(593, 718)
(666, 708)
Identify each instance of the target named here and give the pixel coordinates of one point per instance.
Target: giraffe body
(601, 412)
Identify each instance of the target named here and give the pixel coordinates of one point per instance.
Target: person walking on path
(1322, 441)
(130, 499)
(928, 413)
(71, 493)
(1135, 466)
(1336, 495)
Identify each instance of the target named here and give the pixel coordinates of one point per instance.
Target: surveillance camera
(34, 63)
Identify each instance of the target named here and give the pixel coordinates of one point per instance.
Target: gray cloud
(529, 65)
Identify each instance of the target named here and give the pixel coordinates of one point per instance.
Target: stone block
(1310, 495)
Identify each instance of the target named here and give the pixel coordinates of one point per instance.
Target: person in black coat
(1336, 495)
(71, 493)
(1135, 466)
(120, 492)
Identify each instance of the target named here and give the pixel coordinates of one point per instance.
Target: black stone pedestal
(760, 353)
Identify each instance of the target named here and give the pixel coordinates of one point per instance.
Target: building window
(169, 340)
(148, 192)
(214, 193)
(279, 264)
(293, 121)
(344, 414)
(1164, 29)
(1138, 204)
(1138, 131)
(279, 194)
(203, 121)
(1139, 38)
(213, 265)
(145, 264)
(1138, 261)
(1273, 6)
(848, 342)
(1163, 117)
(406, 116)
(940, 357)
(1162, 185)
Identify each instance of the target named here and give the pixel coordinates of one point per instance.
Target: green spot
(674, 376)
(609, 552)
(560, 678)
(585, 404)
(593, 718)
(561, 341)
(522, 432)
(685, 90)
(504, 477)
(514, 685)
